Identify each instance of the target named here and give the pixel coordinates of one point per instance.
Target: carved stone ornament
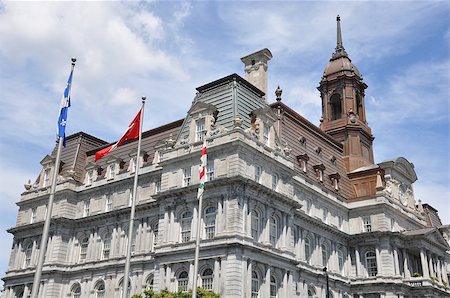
(28, 185)
(237, 121)
(170, 142)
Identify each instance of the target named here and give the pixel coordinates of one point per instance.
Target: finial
(339, 51)
(73, 60)
(143, 99)
(278, 93)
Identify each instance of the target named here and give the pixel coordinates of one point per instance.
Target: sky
(164, 50)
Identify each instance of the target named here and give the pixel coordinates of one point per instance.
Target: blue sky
(163, 50)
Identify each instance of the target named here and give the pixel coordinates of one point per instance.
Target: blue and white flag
(65, 104)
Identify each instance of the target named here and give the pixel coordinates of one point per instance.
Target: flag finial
(143, 99)
(73, 60)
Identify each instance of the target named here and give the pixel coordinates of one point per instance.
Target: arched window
(75, 292)
(83, 248)
(273, 230)
(371, 263)
(273, 287)
(308, 246)
(183, 279)
(186, 219)
(99, 289)
(207, 279)
(256, 223)
(336, 107)
(106, 245)
(255, 284)
(128, 288)
(149, 282)
(325, 254)
(19, 291)
(341, 261)
(28, 252)
(210, 222)
(311, 292)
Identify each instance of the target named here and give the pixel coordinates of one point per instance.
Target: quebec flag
(65, 104)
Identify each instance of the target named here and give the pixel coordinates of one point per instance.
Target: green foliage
(445, 283)
(201, 293)
(415, 274)
(434, 279)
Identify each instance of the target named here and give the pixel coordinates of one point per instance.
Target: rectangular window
(304, 165)
(274, 181)
(86, 208)
(341, 222)
(108, 203)
(258, 173)
(33, 215)
(210, 170)
(187, 177)
(46, 178)
(89, 177)
(112, 171)
(325, 215)
(157, 187)
(266, 133)
(200, 130)
(367, 224)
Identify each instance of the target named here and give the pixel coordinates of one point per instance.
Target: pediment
(48, 160)
(200, 106)
(403, 166)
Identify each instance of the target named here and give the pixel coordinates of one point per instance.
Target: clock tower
(342, 91)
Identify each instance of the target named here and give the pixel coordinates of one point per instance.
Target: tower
(343, 108)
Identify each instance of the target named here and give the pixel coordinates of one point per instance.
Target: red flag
(131, 133)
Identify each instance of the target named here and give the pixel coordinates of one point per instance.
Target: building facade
(283, 200)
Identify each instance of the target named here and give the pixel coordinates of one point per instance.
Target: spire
(339, 51)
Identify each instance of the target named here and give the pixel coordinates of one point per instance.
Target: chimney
(256, 68)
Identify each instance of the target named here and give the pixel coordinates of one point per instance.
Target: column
(192, 275)
(161, 281)
(216, 276)
(285, 284)
(430, 264)
(396, 262)
(168, 274)
(444, 271)
(289, 222)
(266, 230)
(301, 248)
(405, 264)
(379, 267)
(265, 291)
(249, 278)
(424, 262)
(219, 217)
(438, 269)
(358, 262)
(194, 223)
(173, 229)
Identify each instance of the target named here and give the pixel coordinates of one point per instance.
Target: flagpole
(45, 232)
(133, 207)
(199, 211)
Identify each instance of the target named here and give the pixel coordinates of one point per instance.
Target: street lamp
(328, 286)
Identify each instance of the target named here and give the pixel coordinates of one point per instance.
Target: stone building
(284, 199)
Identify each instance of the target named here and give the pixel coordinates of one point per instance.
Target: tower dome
(340, 63)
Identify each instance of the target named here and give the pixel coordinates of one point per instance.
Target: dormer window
(89, 177)
(111, 171)
(335, 180)
(86, 208)
(303, 162)
(46, 181)
(319, 169)
(33, 215)
(132, 167)
(200, 129)
(266, 134)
